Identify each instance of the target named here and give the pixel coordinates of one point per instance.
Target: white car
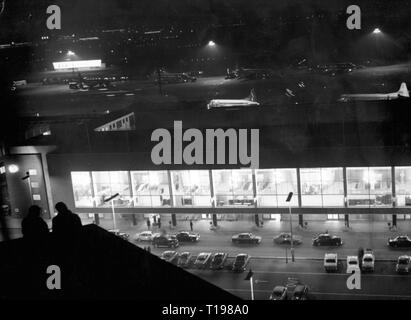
(170, 256)
(352, 262)
(368, 261)
(202, 260)
(144, 236)
(330, 262)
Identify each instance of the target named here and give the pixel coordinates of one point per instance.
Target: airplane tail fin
(403, 92)
(252, 96)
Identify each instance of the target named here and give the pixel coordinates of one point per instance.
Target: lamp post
(289, 197)
(27, 178)
(112, 208)
(250, 277)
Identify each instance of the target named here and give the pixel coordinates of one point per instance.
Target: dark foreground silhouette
(99, 265)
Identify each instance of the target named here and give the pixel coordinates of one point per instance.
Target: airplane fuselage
(231, 103)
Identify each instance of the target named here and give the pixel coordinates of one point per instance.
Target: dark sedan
(165, 241)
(240, 263)
(327, 240)
(300, 292)
(218, 261)
(285, 238)
(246, 238)
(400, 242)
(185, 236)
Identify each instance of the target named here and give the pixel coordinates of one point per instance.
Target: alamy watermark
(208, 148)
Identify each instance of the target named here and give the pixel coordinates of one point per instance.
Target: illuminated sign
(77, 64)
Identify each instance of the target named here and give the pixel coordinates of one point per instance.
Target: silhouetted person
(191, 225)
(66, 223)
(148, 224)
(33, 226)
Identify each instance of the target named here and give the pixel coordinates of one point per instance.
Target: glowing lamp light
(13, 168)
(70, 53)
(376, 31)
(211, 43)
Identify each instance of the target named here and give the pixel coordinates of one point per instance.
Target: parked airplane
(403, 93)
(250, 101)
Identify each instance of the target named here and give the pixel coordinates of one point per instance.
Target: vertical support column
(130, 185)
(213, 199)
(170, 188)
(346, 215)
(96, 216)
(394, 196)
(300, 216)
(257, 218)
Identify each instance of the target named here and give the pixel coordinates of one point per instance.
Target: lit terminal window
(322, 187)
(403, 186)
(369, 187)
(191, 188)
(150, 188)
(82, 189)
(108, 183)
(233, 187)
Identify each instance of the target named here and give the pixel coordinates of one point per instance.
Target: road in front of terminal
(383, 284)
(271, 267)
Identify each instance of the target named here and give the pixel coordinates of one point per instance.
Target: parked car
(400, 242)
(170, 256)
(240, 263)
(300, 292)
(330, 262)
(165, 241)
(368, 261)
(185, 236)
(145, 236)
(279, 293)
(184, 259)
(403, 264)
(202, 260)
(285, 238)
(352, 261)
(326, 239)
(218, 260)
(246, 238)
(122, 235)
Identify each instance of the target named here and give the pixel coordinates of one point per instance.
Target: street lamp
(70, 53)
(211, 43)
(249, 277)
(290, 195)
(112, 208)
(13, 168)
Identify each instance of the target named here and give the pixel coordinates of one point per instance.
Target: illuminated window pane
(233, 187)
(369, 186)
(140, 181)
(380, 186)
(150, 188)
(311, 187)
(82, 189)
(108, 183)
(286, 180)
(403, 186)
(266, 188)
(191, 188)
(322, 187)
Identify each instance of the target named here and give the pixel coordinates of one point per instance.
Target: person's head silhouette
(61, 208)
(34, 211)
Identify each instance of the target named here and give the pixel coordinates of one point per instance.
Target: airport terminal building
(83, 167)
